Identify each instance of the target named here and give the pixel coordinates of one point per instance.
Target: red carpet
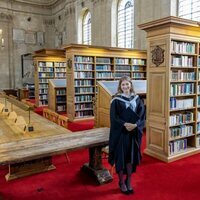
(81, 125)
(154, 180)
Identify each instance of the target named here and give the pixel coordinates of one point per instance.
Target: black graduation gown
(124, 147)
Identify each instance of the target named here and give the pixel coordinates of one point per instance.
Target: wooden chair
(54, 117)
(46, 113)
(63, 121)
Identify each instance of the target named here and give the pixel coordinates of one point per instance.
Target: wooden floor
(10, 131)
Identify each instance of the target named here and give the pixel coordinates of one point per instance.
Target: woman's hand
(129, 126)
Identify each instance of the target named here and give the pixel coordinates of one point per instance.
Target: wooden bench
(32, 156)
(50, 115)
(46, 113)
(63, 121)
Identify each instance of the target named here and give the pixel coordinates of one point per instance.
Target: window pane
(189, 9)
(87, 28)
(125, 32)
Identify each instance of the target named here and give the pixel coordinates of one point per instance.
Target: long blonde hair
(124, 78)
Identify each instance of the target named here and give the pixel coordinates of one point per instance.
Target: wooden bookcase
(86, 65)
(57, 95)
(173, 108)
(106, 90)
(49, 64)
(31, 91)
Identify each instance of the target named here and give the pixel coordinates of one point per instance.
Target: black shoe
(130, 190)
(123, 191)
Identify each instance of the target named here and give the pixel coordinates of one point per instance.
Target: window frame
(89, 33)
(191, 13)
(132, 19)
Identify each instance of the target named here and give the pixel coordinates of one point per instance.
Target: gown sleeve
(116, 125)
(141, 122)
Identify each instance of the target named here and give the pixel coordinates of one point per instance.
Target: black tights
(128, 178)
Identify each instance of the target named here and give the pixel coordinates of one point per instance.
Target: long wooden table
(28, 153)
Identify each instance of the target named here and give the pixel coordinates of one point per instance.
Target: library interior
(64, 65)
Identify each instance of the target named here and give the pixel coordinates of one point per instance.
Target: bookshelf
(106, 90)
(48, 64)
(57, 95)
(31, 91)
(173, 109)
(86, 65)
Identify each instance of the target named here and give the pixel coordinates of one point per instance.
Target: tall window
(87, 28)
(189, 9)
(125, 23)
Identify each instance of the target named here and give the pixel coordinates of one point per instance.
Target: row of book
(45, 69)
(198, 140)
(51, 64)
(83, 59)
(120, 74)
(60, 75)
(182, 61)
(83, 75)
(181, 76)
(103, 60)
(181, 131)
(183, 47)
(43, 86)
(42, 97)
(124, 61)
(46, 75)
(182, 89)
(60, 64)
(138, 75)
(61, 108)
(198, 100)
(86, 113)
(84, 106)
(104, 75)
(83, 83)
(180, 118)
(45, 64)
(103, 67)
(43, 91)
(80, 66)
(198, 127)
(61, 92)
(43, 81)
(84, 90)
(181, 103)
(177, 146)
(43, 102)
(60, 70)
(81, 98)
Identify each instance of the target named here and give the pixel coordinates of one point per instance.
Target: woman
(127, 116)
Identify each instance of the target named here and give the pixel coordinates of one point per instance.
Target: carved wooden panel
(156, 138)
(157, 94)
(104, 99)
(104, 120)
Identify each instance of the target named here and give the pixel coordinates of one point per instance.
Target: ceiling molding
(39, 2)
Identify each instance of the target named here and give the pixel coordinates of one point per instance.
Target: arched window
(125, 23)
(189, 9)
(87, 27)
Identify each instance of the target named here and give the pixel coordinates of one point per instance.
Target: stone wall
(27, 28)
